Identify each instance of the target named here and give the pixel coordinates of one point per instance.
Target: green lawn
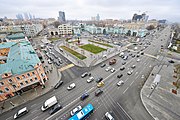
(52, 39)
(101, 43)
(78, 55)
(92, 48)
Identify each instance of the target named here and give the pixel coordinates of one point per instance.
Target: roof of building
(16, 36)
(21, 58)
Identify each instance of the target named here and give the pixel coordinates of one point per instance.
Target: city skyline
(85, 9)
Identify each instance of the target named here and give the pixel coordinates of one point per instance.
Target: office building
(61, 17)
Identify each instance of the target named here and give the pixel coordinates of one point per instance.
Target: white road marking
(9, 118)
(33, 105)
(35, 118)
(137, 76)
(131, 83)
(126, 79)
(124, 111)
(34, 111)
(125, 90)
(136, 73)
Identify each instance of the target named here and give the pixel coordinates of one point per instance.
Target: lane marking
(125, 90)
(33, 105)
(9, 118)
(131, 83)
(34, 111)
(35, 118)
(137, 76)
(124, 111)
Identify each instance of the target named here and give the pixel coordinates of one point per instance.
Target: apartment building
(65, 29)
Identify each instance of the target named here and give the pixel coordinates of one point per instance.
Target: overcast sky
(85, 9)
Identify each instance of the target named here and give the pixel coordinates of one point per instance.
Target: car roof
(22, 110)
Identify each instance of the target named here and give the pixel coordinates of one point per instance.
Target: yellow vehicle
(100, 84)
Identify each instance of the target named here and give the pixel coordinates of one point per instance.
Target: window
(28, 74)
(35, 78)
(23, 76)
(7, 89)
(14, 86)
(21, 83)
(26, 82)
(1, 83)
(1, 91)
(17, 78)
(10, 80)
(33, 73)
(31, 80)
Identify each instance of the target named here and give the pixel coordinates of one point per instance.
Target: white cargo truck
(49, 103)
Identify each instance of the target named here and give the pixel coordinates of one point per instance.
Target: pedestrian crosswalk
(150, 56)
(66, 67)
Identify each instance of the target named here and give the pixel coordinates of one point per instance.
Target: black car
(98, 92)
(99, 79)
(123, 63)
(122, 68)
(55, 109)
(171, 61)
(84, 75)
(58, 84)
(137, 55)
(142, 53)
(103, 65)
(119, 76)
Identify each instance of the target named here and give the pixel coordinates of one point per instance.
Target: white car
(75, 110)
(133, 66)
(109, 116)
(90, 79)
(113, 70)
(71, 86)
(49, 61)
(138, 60)
(120, 83)
(108, 69)
(130, 72)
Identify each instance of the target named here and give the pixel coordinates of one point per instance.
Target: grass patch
(78, 55)
(92, 48)
(101, 43)
(52, 39)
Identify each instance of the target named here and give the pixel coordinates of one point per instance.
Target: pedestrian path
(66, 67)
(150, 56)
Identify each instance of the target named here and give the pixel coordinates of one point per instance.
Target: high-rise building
(97, 17)
(26, 16)
(61, 17)
(19, 16)
(142, 17)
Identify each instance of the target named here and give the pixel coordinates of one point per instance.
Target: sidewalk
(162, 104)
(54, 76)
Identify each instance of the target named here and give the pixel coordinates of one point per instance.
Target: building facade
(20, 69)
(65, 29)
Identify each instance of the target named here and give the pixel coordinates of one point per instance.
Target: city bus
(84, 113)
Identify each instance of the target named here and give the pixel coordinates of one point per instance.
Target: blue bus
(84, 113)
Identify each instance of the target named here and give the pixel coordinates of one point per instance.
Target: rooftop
(16, 36)
(21, 58)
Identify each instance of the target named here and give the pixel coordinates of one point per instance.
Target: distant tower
(97, 17)
(30, 16)
(61, 17)
(26, 17)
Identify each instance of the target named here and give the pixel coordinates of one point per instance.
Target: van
(49, 103)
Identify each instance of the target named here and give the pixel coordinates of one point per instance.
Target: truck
(113, 61)
(49, 103)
